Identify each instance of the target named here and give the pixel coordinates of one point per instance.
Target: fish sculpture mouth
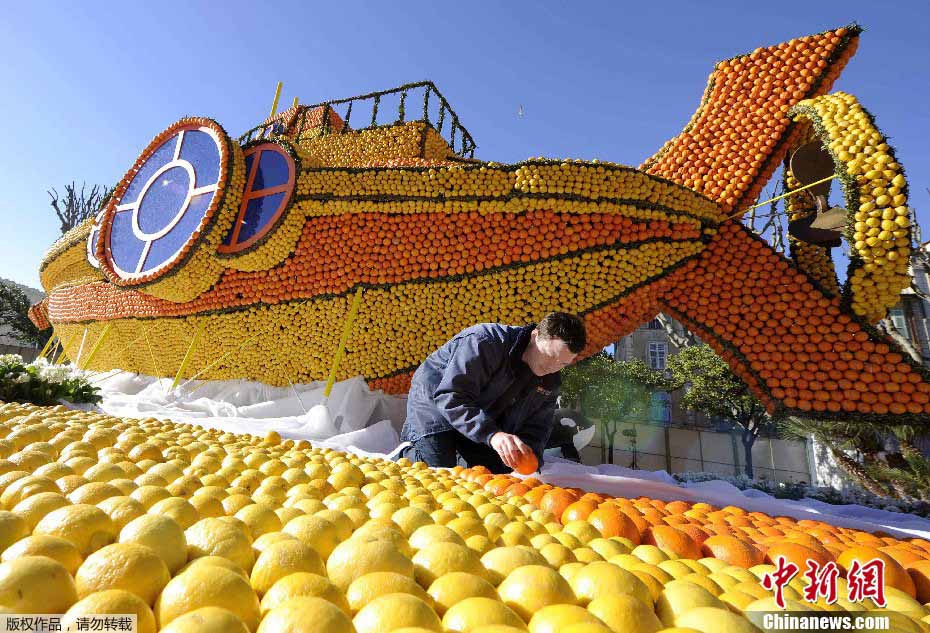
(256, 245)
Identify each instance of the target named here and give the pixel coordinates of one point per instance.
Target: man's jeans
(450, 448)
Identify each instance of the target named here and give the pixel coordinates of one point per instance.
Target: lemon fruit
(306, 614)
(37, 506)
(316, 532)
(529, 588)
(381, 583)
(715, 620)
(216, 561)
(54, 547)
(601, 579)
(86, 526)
(454, 587)
(208, 586)
(128, 566)
(625, 612)
(162, 534)
(207, 620)
(499, 562)
(36, 584)
(393, 611)
(111, 601)
(353, 559)
(679, 597)
(219, 537)
(121, 510)
(303, 584)
(557, 617)
(178, 509)
(12, 528)
(283, 558)
(438, 559)
(472, 613)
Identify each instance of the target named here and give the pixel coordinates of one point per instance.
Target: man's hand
(509, 447)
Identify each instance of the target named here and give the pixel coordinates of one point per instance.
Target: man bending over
(488, 395)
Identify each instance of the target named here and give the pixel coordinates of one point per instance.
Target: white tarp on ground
(241, 406)
(368, 422)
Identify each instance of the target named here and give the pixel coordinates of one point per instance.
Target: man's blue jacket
(465, 386)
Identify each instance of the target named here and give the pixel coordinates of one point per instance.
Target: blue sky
(87, 85)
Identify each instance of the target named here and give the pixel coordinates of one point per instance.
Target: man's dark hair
(565, 327)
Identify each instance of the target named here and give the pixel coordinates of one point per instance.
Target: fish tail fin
(799, 349)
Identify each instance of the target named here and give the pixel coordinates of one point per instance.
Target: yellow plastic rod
(340, 351)
(148, 343)
(187, 355)
(48, 344)
(96, 347)
(294, 105)
(277, 95)
(80, 353)
(55, 351)
(784, 195)
(64, 348)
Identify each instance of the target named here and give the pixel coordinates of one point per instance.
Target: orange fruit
(673, 540)
(895, 574)
(677, 507)
(733, 551)
(578, 511)
(612, 522)
(527, 464)
(797, 554)
(904, 555)
(557, 500)
(696, 532)
(920, 575)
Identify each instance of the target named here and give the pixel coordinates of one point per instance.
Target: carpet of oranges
(202, 530)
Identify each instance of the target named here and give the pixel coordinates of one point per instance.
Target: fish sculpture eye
(155, 220)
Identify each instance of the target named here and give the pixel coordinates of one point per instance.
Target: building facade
(651, 344)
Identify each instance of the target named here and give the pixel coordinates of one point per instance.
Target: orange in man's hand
(527, 463)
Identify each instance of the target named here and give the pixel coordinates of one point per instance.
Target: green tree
(712, 388)
(610, 392)
(14, 314)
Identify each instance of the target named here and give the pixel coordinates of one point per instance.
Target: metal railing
(459, 139)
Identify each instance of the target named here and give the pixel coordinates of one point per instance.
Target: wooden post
(189, 353)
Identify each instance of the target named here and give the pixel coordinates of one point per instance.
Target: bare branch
(886, 326)
(679, 336)
(77, 206)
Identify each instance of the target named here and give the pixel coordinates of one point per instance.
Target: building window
(658, 353)
(661, 409)
(900, 323)
(654, 325)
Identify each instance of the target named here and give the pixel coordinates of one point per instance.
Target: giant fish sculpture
(218, 258)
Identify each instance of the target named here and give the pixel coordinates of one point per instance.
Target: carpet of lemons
(201, 530)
